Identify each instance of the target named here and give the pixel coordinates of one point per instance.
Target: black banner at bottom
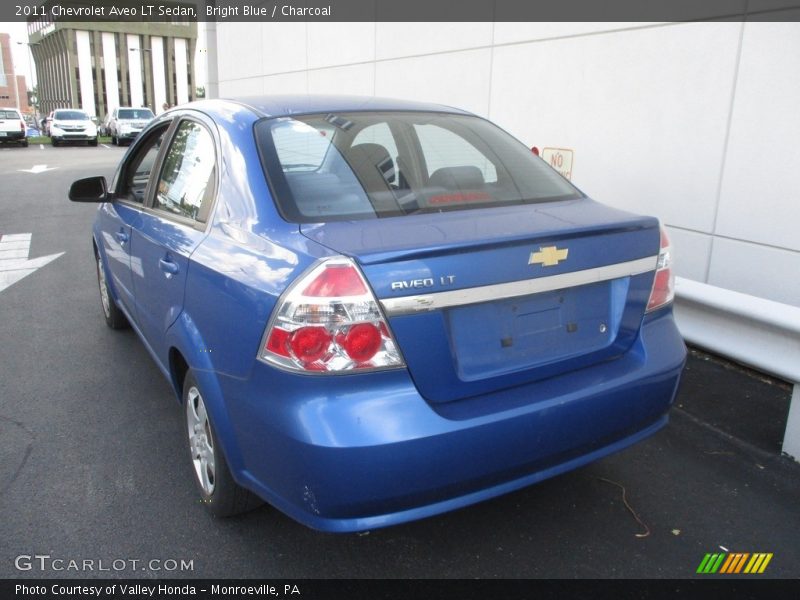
(383, 589)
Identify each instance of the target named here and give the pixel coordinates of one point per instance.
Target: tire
(24, 143)
(114, 317)
(222, 496)
(54, 142)
(93, 142)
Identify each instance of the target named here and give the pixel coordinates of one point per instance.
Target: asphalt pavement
(92, 463)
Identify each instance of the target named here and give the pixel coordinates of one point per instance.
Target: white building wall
(110, 66)
(85, 80)
(696, 123)
(159, 73)
(181, 71)
(135, 70)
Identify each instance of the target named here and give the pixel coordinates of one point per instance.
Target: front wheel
(222, 496)
(93, 142)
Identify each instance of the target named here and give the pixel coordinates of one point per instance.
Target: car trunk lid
(481, 300)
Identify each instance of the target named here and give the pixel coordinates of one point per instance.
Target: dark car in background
(374, 310)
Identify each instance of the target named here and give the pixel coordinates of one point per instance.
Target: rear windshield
(8, 114)
(368, 165)
(135, 113)
(71, 115)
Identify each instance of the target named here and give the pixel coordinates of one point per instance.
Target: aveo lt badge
(548, 256)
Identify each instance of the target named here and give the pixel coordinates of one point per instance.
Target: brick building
(13, 89)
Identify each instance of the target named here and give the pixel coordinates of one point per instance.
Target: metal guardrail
(754, 331)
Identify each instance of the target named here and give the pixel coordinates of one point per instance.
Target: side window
(186, 184)
(444, 149)
(136, 173)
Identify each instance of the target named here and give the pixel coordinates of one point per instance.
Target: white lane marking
(41, 146)
(36, 169)
(104, 146)
(14, 262)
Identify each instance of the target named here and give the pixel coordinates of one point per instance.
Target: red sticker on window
(458, 197)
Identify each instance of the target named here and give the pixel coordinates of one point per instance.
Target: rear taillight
(22, 126)
(664, 284)
(329, 322)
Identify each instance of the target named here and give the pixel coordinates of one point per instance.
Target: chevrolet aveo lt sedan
(374, 311)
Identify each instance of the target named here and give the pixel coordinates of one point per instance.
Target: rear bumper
(12, 136)
(339, 456)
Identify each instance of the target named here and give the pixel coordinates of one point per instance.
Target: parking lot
(93, 464)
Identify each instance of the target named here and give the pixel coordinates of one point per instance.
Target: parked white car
(123, 124)
(12, 127)
(72, 125)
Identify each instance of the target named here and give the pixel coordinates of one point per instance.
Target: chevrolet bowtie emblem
(548, 256)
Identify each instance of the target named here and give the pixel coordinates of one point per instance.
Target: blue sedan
(375, 311)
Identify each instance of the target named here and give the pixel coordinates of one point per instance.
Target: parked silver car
(123, 124)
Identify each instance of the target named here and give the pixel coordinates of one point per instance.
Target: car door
(171, 227)
(116, 219)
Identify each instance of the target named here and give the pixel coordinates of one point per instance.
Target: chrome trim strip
(502, 291)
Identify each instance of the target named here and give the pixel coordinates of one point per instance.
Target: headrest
(457, 178)
(372, 156)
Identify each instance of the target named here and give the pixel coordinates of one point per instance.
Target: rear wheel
(24, 143)
(115, 318)
(222, 496)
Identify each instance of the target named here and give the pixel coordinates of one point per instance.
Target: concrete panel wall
(696, 123)
(86, 81)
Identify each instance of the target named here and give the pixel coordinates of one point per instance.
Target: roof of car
(286, 105)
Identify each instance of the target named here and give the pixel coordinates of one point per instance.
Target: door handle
(170, 268)
(121, 236)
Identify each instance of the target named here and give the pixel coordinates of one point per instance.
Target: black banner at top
(399, 10)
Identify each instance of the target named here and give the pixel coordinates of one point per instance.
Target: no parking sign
(560, 159)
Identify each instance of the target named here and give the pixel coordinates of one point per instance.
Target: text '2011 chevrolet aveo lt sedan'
(375, 311)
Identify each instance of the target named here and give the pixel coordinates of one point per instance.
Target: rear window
(135, 114)
(370, 165)
(70, 115)
(9, 114)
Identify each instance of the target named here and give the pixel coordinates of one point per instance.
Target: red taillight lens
(362, 342)
(663, 290)
(310, 344)
(329, 321)
(22, 125)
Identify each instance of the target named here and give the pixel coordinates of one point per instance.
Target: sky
(22, 58)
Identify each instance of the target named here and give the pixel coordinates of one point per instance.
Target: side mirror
(90, 189)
